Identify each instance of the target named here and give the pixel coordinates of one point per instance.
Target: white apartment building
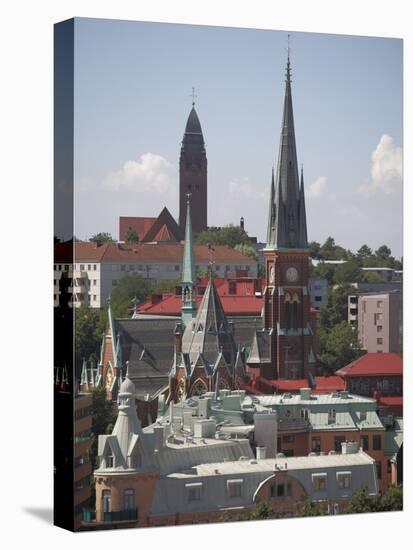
(97, 269)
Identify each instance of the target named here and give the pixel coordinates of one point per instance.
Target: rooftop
(374, 364)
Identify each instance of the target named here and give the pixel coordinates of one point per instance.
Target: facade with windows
(97, 269)
(188, 468)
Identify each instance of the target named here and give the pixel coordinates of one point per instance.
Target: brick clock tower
(285, 347)
(193, 174)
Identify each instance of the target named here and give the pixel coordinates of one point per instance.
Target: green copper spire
(188, 272)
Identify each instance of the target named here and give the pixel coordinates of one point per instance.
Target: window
(343, 480)
(234, 488)
(288, 439)
(365, 442)
(89, 267)
(379, 303)
(218, 268)
(319, 482)
(94, 297)
(129, 499)
(332, 416)
(337, 443)
(60, 267)
(131, 267)
(376, 442)
(379, 328)
(123, 267)
(280, 490)
(316, 444)
(66, 267)
(318, 298)
(106, 501)
(177, 268)
(82, 267)
(378, 317)
(378, 469)
(194, 491)
(304, 414)
(109, 461)
(389, 466)
(380, 341)
(94, 282)
(94, 267)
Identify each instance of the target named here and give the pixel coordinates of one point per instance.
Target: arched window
(199, 388)
(294, 312)
(287, 302)
(106, 501)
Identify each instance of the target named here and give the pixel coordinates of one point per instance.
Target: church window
(199, 388)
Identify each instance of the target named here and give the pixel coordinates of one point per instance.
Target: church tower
(285, 346)
(193, 174)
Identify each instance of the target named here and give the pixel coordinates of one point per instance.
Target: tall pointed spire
(285, 212)
(188, 310)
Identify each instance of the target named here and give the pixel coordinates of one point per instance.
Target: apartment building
(97, 269)
(378, 319)
(318, 289)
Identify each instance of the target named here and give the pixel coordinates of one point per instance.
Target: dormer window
(332, 416)
(110, 461)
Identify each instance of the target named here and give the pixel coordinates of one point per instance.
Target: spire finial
(288, 73)
(193, 95)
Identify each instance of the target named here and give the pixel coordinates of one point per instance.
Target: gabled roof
(140, 224)
(164, 228)
(374, 364)
(209, 333)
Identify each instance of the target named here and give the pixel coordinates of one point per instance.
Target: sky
(132, 97)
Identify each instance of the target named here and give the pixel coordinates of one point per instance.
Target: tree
(314, 247)
(230, 235)
(246, 250)
(383, 252)
(101, 238)
(371, 277)
(364, 252)
(325, 271)
(361, 502)
(103, 418)
(327, 250)
(349, 272)
(129, 287)
(308, 508)
(261, 510)
(131, 236)
(337, 347)
(89, 327)
(335, 310)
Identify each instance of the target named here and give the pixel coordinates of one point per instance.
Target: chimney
(349, 447)
(305, 394)
(261, 453)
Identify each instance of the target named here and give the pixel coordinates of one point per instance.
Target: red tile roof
(140, 225)
(370, 364)
(324, 384)
(145, 252)
(243, 303)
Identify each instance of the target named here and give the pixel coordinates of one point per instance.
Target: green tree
(131, 236)
(327, 250)
(392, 499)
(371, 277)
(129, 287)
(230, 235)
(309, 508)
(325, 271)
(246, 250)
(361, 502)
(335, 311)
(101, 238)
(363, 253)
(383, 253)
(89, 327)
(314, 247)
(337, 347)
(349, 272)
(103, 418)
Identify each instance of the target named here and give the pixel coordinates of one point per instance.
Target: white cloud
(245, 190)
(150, 173)
(386, 168)
(317, 188)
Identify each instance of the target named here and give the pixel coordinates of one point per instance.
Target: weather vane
(193, 95)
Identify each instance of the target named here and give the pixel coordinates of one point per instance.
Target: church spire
(188, 310)
(285, 201)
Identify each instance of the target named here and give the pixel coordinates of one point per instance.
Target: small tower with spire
(193, 172)
(188, 308)
(285, 348)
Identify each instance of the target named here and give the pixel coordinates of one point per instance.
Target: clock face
(291, 274)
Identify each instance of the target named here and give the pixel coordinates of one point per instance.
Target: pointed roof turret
(209, 333)
(285, 223)
(193, 126)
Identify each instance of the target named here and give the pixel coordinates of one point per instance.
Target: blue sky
(133, 83)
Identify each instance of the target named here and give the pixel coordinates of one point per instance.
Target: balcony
(89, 516)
